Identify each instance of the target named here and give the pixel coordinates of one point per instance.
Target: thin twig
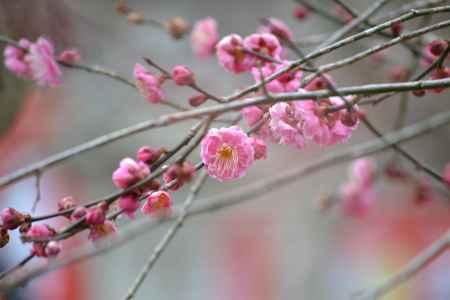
(222, 108)
(250, 191)
(170, 234)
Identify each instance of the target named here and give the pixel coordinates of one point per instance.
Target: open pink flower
(157, 204)
(15, 59)
(446, 173)
(98, 232)
(288, 82)
(252, 114)
(232, 56)
(264, 43)
(204, 37)
(285, 126)
(40, 231)
(323, 128)
(34, 61)
(278, 28)
(44, 68)
(129, 203)
(227, 153)
(148, 84)
(129, 173)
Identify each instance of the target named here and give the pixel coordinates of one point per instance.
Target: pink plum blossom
(34, 61)
(252, 114)
(44, 68)
(232, 56)
(324, 129)
(157, 204)
(264, 43)
(98, 232)
(182, 75)
(259, 147)
(288, 82)
(15, 59)
(204, 37)
(227, 153)
(285, 126)
(129, 172)
(148, 84)
(40, 231)
(129, 203)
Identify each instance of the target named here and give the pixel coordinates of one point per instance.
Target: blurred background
(279, 246)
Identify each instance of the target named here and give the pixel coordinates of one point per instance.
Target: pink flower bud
(397, 28)
(183, 173)
(197, 100)
(149, 155)
(70, 56)
(129, 172)
(40, 231)
(52, 249)
(66, 203)
(259, 147)
(436, 47)
(95, 216)
(11, 219)
(157, 204)
(301, 12)
(182, 75)
(148, 84)
(129, 204)
(349, 119)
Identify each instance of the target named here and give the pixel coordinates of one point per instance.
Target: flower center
(225, 152)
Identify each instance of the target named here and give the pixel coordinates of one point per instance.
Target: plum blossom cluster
(130, 172)
(11, 219)
(37, 61)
